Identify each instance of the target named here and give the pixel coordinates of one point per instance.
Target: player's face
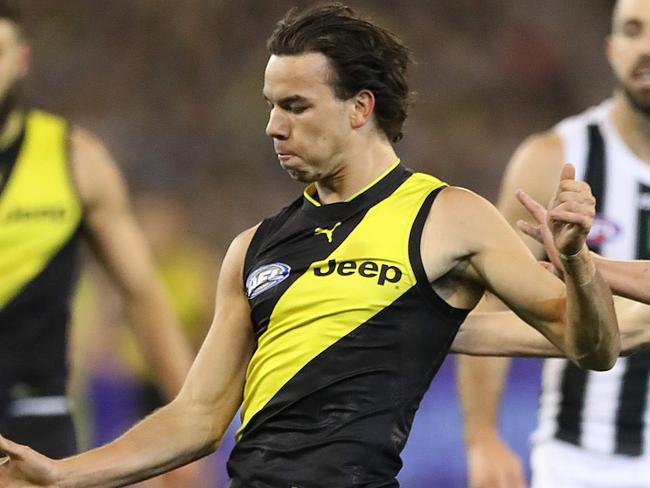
(14, 57)
(628, 50)
(310, 127)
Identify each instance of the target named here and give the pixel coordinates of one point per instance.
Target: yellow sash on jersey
(39, 207)
(316, 312)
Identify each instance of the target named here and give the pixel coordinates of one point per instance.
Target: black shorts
(52, 435)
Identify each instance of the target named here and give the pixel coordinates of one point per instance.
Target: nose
(278, 125)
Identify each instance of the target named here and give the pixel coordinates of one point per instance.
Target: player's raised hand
(25, 468)
(571, 213)
(540, 230)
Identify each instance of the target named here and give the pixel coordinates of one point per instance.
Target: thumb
(568, 172)
(11, 449)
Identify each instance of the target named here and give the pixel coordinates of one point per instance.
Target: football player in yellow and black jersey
(57, 184)
(333, 316)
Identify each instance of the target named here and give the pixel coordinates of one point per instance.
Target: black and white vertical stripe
(603, 412)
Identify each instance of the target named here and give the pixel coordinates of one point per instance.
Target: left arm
(466, 233)
(629, 279)
(121, 247)
(505, 334)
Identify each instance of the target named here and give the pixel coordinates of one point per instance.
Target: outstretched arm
(505, 334)
(189, 427)
(579, 319)
(594, 335)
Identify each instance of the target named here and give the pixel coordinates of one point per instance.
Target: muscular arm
(505, 334)
(483, 251)
(629, 279)
(189, 427)
(121, 247)
(535, 167)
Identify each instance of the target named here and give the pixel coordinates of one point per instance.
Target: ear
(608, 48)
(363, 106)
(24, 58)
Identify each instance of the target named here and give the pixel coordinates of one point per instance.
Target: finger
(563, 218)
(11, 449)
(586, 201)
(535, 208)
(581, 198)
(568, 172)
(530, 230)
(551, 268)
(4, 460)
(574, 186)
(577, 208)
(571, 219)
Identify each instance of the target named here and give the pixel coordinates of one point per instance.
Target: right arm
(190, 427)
(505, 334)
(535, 167)
(629, 279)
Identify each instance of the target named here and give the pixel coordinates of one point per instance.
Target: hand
(539, 231)
(571, 213)
(492, 464)
(25, 468)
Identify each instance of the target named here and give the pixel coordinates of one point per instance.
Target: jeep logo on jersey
(266, 277)
(21, 214)
(602, 230)
(367, 269)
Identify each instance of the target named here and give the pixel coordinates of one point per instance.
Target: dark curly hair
(363, 56)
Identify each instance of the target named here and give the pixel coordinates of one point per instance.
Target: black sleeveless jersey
(39, 221)
(349, 335)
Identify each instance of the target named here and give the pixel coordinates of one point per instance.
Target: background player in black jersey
(35, 308)
(337, 94)
(597, 424)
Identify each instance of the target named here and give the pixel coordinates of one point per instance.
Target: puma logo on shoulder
(326, 232)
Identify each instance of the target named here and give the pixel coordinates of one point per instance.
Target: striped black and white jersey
(605, 412)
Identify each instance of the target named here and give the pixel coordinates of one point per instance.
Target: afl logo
(602, 231)
(265, 278)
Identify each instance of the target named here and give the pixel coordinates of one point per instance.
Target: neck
(632, 126)
(357, 170)
(11, 129)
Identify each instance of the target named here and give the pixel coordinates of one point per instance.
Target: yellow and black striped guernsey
(349, 335)
(39, 221)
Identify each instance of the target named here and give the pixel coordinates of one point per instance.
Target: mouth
(284, 156)
(641, 74)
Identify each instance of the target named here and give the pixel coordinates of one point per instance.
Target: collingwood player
(593, 426)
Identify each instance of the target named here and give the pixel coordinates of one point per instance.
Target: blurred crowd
(174, 88)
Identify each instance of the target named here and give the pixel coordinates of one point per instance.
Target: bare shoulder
(233, 262)
(458, 221)
(243, 239)
(459, 205)
(464, 223)
(534, 167)
(542, 151)
(87, 150)
(94, 170)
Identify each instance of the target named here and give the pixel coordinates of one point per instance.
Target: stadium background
(174, 90)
